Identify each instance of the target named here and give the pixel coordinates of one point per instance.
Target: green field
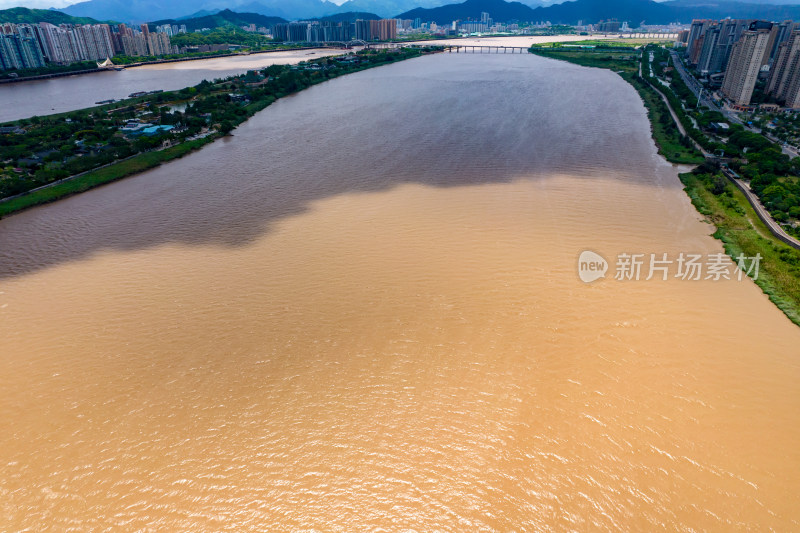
(624, 59)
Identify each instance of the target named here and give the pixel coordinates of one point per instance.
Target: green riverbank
(624, 60)
(134, 165)
(212, 104)
(742, 232)
(737, 225)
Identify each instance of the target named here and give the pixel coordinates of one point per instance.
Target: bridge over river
(458, 48)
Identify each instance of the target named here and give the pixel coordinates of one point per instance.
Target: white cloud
(36, 4)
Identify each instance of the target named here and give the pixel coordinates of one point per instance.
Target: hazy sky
(38, 4)
(46, 4)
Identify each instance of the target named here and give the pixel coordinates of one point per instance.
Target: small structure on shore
(107, 64)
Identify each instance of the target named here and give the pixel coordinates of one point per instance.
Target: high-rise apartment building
(745, 64)
(387, 30)
(710, 41)
(729, 33)
(782, 33)
(694, 42)
(18, 51)
(298, 32)
(362, 30)
(784, 78)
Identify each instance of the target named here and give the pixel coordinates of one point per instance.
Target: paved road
(678, 122)
(696, 87)
(791, 152)
(761, 211)
(700, 93)
(672, 111)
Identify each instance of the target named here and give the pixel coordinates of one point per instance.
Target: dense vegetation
(58, 146)
(223, 35)
(23, 15)
(742, 232)
(349, 16)
(50, 69)
(671, 143)
(225, 18)
(617, 56)
(773, 176)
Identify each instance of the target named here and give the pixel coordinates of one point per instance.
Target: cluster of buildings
(735, 54)
(33, 45)
(253, 29)
(19, 49)
(384, 29)
(24, 46)
(461, 27)
(484, 25)
(143, 42)
(327, 31)
(611, 26)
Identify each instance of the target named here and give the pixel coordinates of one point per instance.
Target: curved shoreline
(738, 223)
(130, 166)
(161, 61)
(143, 161)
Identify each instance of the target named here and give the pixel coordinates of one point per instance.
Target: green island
(773, 176)
(43, 159)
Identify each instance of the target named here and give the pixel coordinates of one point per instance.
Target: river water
(362, 312)
(59, 95)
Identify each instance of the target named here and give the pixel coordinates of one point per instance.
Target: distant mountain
(689, 9)
(288, 9)
(471, 10)
(143, 10)
(589, 11)
(350, 16)
(761, 2)
(388, 8)
(592, 11)
(308, 9)
(23, 15)
(201, 13)
(226, 17)
(132, 10)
